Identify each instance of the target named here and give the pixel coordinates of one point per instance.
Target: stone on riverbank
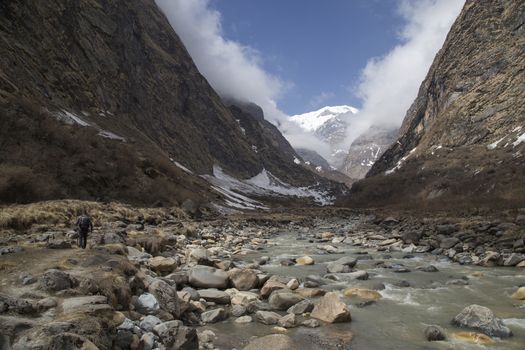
(174, 335)
(215, 296)
(243, 279)
(162, 264)
(208, 277)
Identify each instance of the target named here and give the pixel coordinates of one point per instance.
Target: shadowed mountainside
(103, 94)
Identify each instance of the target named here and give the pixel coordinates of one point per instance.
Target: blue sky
(318, 47)
(294, 56)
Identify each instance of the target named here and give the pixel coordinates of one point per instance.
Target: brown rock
(243, 279)
(331, 309)
(162, 264)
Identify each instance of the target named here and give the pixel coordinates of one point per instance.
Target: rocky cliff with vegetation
(463, 139)
(100, 100)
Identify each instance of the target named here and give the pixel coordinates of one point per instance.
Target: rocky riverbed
(344, 280)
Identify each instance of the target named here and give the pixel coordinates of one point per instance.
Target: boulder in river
(301, 307)
(288, 321)
(482, 319)
(282, 300)
(362, 293)
(270, 286)
(207, 277)
(267, 317)
(305, 260)
(344, 264)
(331, 309)
(519, 294)
(434, 333)
(273, 341)
(214, 315)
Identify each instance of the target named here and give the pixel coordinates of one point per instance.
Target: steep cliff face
(117, 70)
(366, 150)
(463, 137)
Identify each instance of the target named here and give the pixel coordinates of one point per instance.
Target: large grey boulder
(149, 322)
(344, 264)
(55, 280)
(166, 296)
(273, 341)
(434, 333)
(482, 319)
(208, 277)
(301, 307)
(267, 317)
(175, 336)
(147, 304)
(199, 256)
(214, 315)
(282, 300)
(215, 295)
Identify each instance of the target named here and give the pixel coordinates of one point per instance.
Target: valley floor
(305, 278)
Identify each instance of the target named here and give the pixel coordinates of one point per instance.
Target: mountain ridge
(461, 142)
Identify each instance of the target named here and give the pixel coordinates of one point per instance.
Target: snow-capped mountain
(329, 124)
(313, 121)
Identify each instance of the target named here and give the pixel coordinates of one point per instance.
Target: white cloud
(320, 100)
(233, 69)
(389, 84)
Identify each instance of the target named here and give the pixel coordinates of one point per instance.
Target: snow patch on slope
(519, 140)
(179, 165)
(400, 163)
(263, 184)
(71, 119)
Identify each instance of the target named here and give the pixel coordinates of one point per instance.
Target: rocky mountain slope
(108, 104)
(463, 139)
(366, 150)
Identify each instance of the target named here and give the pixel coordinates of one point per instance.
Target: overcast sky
(294, 56)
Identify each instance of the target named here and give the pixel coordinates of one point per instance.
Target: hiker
(84, 225)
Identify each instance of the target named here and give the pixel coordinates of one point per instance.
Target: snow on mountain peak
(312, 121)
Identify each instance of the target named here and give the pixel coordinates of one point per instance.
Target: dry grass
(6, 265)
(65, 212)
